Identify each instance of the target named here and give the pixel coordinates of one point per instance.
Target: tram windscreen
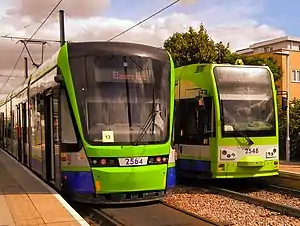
(119, 94)
(246, 100)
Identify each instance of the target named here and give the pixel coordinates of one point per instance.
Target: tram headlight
(103, 162)
(227, 154)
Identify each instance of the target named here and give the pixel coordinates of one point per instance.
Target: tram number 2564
(249, 151)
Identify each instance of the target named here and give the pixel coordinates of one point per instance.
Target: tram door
(51, 137)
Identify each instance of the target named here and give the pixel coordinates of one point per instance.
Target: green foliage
(223, 52)
(294, 131)
(197, 47)
(191, 47)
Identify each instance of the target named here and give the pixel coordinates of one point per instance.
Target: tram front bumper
(129, 179)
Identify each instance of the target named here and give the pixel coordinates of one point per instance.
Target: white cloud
(37, 10)
(233, 22)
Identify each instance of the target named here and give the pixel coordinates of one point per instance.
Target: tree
(191, 47)
(294, 131)
(223, 52)
(197, 47)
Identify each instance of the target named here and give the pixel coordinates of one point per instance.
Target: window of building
(295, 75)
(268, 49)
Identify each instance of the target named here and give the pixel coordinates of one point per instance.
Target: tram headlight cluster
(227, 154)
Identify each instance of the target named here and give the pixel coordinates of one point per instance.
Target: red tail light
(158, 160)
(103, 161)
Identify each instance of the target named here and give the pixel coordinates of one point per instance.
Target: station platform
(25, 200)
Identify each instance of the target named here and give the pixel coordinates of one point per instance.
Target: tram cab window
(194, 124)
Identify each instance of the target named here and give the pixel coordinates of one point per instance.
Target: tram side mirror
(284, 103)
(200, 103)
(58, 78)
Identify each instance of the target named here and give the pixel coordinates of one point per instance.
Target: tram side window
(13, 124)
(9, 120)
(34, 120)
(5, 122)
(177, 127)
(211, 120)
(1, 125)
(193, 125)
(68, 136)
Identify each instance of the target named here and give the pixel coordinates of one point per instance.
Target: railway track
(162, 214)
(156, 214)
(275, 206)
(284, 189)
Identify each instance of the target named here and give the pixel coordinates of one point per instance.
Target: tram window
(192, 124)
(14, 123)
(68, 136)
(211, 121)
(2, 126)
(5, 121)
(34, 119)
(177, 122)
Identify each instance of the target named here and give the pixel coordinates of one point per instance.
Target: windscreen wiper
(150, 120)
(250, 142)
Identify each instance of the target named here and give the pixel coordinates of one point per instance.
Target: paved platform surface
(291, 167)
(25, 200)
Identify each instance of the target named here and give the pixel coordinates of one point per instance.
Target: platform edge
(63, 202)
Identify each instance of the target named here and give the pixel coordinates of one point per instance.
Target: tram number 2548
(249, 151)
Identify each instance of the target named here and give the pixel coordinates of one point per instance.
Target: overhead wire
(137, 24)
(144, 20)
(28, 40)
(32, 40)
(114, 37)
(80, 25)
(21, 28)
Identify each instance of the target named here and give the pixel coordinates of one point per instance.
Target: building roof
(274, 41)
(267, 42)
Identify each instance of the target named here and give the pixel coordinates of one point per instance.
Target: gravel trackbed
(223, 209)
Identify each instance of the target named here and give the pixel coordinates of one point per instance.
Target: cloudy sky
(239, 22)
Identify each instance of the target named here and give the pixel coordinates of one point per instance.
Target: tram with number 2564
(95, 120)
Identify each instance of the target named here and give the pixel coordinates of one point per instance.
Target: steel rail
(282, 208)
(158, 214)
